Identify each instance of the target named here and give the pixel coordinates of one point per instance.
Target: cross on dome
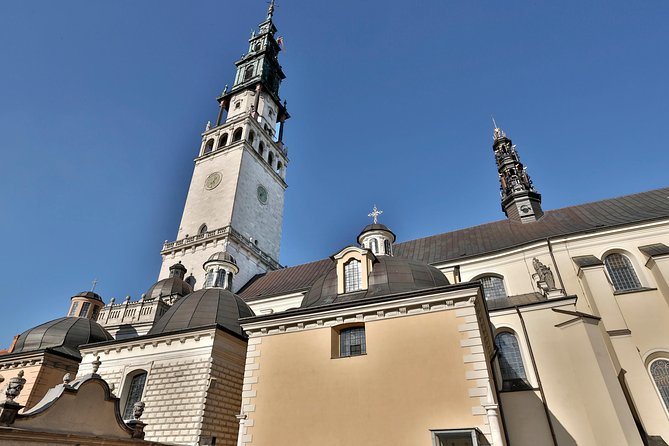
(95, 283)
(375, 214)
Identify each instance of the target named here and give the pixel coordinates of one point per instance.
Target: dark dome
(222, 256)
(88, 295)
(389, 275)
(169, 287)
(203, 308)
(376, 227)
(64, 335)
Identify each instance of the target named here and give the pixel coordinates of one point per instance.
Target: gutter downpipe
(536, 373)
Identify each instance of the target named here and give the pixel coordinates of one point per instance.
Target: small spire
(375, 214)
(95, 283)
(497, 132)
(270, 10)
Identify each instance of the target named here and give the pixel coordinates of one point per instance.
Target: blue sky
(102, 105)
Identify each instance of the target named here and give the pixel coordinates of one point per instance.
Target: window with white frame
(84, 309)
(510, 362)
(352, 342)
(621, 272)
(352, 277)
(73, 310)
(374, 245)
(134, 393)
(493, 287)
(659, 370)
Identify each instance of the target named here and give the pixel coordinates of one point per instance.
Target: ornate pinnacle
(270, 10)
(96, 365)
(15, 386)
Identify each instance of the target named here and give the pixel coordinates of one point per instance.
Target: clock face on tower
(262, 194)
(213, 180)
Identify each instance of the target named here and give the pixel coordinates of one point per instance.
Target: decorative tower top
(520, 201)
(377, 237)
(221, 268)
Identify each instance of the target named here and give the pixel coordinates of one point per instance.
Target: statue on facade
(14, 387)
(544, 273)
(138, 410)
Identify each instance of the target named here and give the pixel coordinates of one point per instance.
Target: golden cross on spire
(375, 214)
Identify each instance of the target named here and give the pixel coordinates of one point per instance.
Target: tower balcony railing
(199, 239)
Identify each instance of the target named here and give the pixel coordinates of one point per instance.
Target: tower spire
(520, 200)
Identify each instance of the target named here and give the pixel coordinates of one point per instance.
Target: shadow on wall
(526, 423)
(126, 331)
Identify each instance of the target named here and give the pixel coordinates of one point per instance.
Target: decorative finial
(270, 10)
(66, 379)
(375, 214)
(15, 386)
(208, 126)
(96, 365)
(112, 300)
(138, 410)
(95, 283)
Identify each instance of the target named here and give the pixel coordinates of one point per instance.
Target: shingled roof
(484, 239)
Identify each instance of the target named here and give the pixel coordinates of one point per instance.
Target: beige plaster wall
(412, 379)
(41, 371)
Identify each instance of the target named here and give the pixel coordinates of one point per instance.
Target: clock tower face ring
(262, 194)
(213, 180)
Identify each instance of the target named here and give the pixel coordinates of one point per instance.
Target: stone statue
(208, 126)
(138, 410)
(544, 273)
(15, 386)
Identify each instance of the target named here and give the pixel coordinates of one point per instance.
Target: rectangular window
(458, 437)
(73, 310)
(84, 309)
(352, 342)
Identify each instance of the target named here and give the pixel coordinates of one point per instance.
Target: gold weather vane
(375, 214)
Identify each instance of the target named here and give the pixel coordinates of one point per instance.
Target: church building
(545, 328)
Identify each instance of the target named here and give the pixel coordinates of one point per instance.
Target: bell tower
(235, 200)
(520, 201)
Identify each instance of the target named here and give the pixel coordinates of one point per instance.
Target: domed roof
(376, 227)
(203, 308)
(64, 335)
(169, 287)
(389, 275)
(222, 256)
(88, 295)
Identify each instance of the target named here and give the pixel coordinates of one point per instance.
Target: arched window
(261, 149)
(270, 158)
(493, 287)
(229, 283)
(209, 146)
(248, 73)
(374, 245)
(134, 392)
(386, 247)
(352, 279)
(237, 135)
(223, 140)
(510, 362)
(202, 230)
(659, 370)
(252, 136)
(621, 272)
(279, 166)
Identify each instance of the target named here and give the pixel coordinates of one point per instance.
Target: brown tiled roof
(487, 238)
